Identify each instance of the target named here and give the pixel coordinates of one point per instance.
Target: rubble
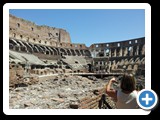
(43, 62)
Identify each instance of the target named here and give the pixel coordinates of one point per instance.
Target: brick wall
(92, 101)
(17, 76)
(27, 30)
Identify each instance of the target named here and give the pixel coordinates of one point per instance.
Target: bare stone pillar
(125, 51)
(115, 51)
(110, 52)
(137, 53)
(109, 67)
(131, 51)
(143, 50)
(120, 52)
(94, 53)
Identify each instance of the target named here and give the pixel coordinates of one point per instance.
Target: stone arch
(11, 46)
(54, 51)
(137, 60)
(129, 67)
(81, 51)
(113, 52)
(17, 48)
(47, 52)
(107, 52)
(20, 43)
(68, 52)
(126, 61)
(131, 61)
(73, 52)
(125, 51)
(50, 50)
(23, 47)
(29, 47)
(87, 53)
(35, 49)
(118, 62)
(119, 51)
(113, 65)
(134, 50)
(130, 51)
(143, 60)
(77, 52)
(58, 51)
(121, 62)
(12, 42)
(44, 49)
(39, 48)
(140, 50)
(63, 51)
(135, 67)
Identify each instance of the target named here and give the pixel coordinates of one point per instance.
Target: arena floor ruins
(48, 71)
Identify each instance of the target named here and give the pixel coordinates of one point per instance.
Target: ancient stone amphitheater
(48, 71)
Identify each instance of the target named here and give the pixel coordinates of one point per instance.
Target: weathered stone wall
(124, 48)
(28, 31)
(117, 57)
(15, 72)
(95, 101)
(17, 76)
(48, 43)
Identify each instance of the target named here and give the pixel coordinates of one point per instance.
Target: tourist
(126, 95)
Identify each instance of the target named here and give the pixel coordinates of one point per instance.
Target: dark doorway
(89, 67)
(100, 68)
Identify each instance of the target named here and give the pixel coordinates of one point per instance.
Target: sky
(90, 26)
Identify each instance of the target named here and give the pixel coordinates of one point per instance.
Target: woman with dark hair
(126, 96)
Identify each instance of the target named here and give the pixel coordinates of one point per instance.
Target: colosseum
(48, 71)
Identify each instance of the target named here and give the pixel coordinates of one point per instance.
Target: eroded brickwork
(44, 58)
(128, 55)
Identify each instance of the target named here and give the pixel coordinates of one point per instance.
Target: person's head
(128, 82)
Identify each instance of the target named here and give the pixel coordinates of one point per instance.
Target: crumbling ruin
(46, 68)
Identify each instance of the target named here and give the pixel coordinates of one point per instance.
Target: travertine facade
(119, 56)
(45, 50)
(30, 32)
(42, 53)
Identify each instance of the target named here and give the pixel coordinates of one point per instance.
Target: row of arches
(36, 48)
(119, 65)
(127, 61)
(35, 39)
(120, 51)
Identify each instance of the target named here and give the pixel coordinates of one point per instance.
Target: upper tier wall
(26, 30)
(132, 47)
(44, 35)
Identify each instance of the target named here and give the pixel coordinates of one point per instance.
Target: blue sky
(90, 25)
